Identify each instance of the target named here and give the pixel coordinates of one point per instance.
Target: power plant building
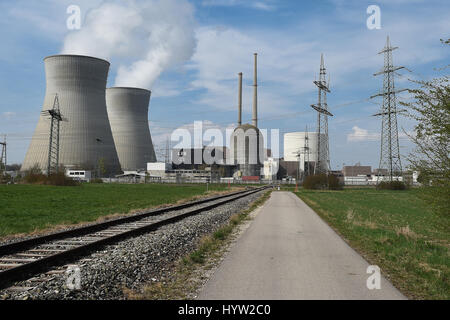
(128, 116)
(247, 143)
(85, 138)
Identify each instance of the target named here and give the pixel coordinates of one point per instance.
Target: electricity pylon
(323, 153)
(305, 151)
(3, 156)
(167, 151)
(53, 146)
(306, 154)
(390, 149)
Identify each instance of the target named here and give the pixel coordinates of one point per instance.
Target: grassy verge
(32, 208)
(188, 271)
(395, 230)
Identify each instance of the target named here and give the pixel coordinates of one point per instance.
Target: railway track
(24, 259)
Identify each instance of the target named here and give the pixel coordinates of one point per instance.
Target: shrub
(334, 183)
(392, 185)
(316, 181)
(96, 180)
(322, 182)
(5, 178)
(35, 176)
(60, 179)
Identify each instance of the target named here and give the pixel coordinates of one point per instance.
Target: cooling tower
(86, 140)
(128, 115)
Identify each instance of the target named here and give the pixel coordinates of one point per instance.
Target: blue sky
(201, 84)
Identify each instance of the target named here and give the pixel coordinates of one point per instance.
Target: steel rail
(24, 244)
(25, 270)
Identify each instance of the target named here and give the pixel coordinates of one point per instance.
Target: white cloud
(144, 37)
(8, 115)
(360, 134)
(288, 60)
(259, 5)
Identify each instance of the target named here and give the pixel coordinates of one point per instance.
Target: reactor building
(247, 143)
(85, 137)
(128, 116)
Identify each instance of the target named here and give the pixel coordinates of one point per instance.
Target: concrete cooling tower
(128, 115)
(86, 141)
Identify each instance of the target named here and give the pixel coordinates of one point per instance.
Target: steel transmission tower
(306, 157)
(53, 146)
(323, 153)
(305, 151)
(390, 150)
(167, 151)
(3, 156)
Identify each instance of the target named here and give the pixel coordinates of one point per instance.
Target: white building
(80, 175)
(158, 169)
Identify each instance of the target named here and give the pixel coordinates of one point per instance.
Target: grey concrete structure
(289, 252)
(128, 116)
(255, 93)
(247, 149)
(247, 143)
(357, 170)
(85, 136)
(240, 100)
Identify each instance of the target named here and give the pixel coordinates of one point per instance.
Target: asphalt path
(289, 252)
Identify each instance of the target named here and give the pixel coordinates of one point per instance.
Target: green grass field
(28, 208)
(395, 230)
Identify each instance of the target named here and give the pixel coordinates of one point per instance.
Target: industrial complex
(91, 131)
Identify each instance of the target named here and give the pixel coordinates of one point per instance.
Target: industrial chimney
(85, 138)
(255, 95)
(240, 100)
(128, 115)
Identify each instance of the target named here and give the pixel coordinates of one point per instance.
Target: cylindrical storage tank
(128, 115)
(85, 139)
(294, 142)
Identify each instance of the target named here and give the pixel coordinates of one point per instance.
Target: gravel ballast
(135, 261)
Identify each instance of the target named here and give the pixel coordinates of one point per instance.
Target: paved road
(288, 252)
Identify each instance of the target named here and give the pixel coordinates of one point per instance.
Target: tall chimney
(255, 95)
(240, 100)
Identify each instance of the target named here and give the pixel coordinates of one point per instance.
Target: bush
(322, 182)
(60, 179)
(392, 185)
(96, 180)
(5, 178)
(334, 183)
(35, 176)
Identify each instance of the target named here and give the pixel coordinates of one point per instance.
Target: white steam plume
(145, 37)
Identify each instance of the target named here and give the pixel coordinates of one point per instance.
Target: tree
(13, 167)
(431, 110)
(101, 167)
